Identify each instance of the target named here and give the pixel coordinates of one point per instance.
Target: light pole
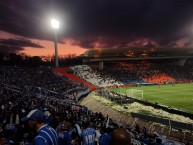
(55, 25)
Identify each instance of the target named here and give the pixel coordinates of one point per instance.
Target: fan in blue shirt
(64, 137)
(88, 135)
(104, 138)
(46, 135)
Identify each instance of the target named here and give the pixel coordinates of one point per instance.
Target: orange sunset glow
(48, 46)
(48, 50)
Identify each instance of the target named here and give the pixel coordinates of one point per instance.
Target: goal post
(105, 93)
(135, 93)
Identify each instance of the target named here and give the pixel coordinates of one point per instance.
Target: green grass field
(179, 96)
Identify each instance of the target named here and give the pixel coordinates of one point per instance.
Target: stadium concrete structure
(177, 54)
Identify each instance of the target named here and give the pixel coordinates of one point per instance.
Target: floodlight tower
(55, 25)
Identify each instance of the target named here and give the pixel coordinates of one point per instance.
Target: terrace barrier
(167, 122)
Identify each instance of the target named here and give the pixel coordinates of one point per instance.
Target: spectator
(137, 129)
(121, 137)
(64, 137)
(76, 134)
(105, 138)
(46, 135)
(88, 135)
(98, 135)
(144, 132)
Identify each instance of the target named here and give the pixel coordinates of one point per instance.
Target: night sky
(87, 24)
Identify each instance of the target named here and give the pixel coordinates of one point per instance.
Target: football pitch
(178, 96)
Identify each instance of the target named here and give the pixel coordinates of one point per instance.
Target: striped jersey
(46, 136)
(88, 136)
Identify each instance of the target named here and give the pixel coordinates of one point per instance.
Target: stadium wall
(165, 108)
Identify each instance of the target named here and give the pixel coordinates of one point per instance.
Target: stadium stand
(135, 73)
(16, 104)
(59, 114)
(64, 72)
(24, 89)
(92, 76)
(40, 81)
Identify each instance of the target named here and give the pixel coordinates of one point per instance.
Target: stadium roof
(138, 52)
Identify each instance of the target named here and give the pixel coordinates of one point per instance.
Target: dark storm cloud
(20, 43)
(15, 45)
(22, 18)
(7, 48)
(110, 23)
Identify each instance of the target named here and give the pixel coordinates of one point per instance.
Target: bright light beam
(55, 23)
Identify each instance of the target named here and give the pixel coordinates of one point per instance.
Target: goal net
(135, 93)
(105, 92)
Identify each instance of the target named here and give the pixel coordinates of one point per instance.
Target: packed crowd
(94, 77)
(136, 73)
(41, 81)
(152, 70)
(73, 124)
(27, 118)
(122, 74)
(179, 73)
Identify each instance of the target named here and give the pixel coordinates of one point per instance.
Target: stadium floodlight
(55, 25)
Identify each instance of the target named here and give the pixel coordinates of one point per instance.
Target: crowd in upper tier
(135, 73)
(94, 77)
